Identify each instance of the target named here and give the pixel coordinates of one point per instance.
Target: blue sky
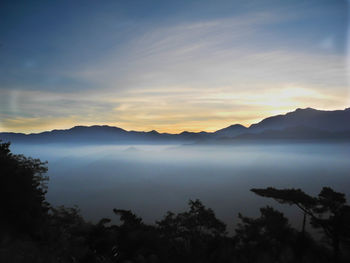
(168, 65)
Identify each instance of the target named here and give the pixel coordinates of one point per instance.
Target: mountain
(101, 134)
(333, 121)
(303, 124)
(296, 133)
(231, 131)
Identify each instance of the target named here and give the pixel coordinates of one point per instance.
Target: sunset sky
(169, 65)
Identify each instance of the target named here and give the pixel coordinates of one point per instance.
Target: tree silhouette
(68, 232)
(128, 218)
(195, 234)
(198, 221)
(328, 211)
(22, 192)
(134, 240)
(266, 236)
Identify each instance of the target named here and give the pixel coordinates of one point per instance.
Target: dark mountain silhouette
(303, 124)
(231, 131)
(101, 134)
(333, 121)
(295, 133)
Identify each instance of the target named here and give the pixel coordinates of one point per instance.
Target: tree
(198, 221)
(193, 235)
(68, 233)
(23, 186)
(135, 241)
(328, 211)
(266, 236)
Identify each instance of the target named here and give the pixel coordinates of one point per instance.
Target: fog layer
(151, 180)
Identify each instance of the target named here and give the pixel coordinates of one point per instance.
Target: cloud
(241, 52)
(202, 75)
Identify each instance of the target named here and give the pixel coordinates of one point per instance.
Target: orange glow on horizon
(36, 125)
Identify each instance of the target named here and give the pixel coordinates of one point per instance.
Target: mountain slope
(231, 131)
(300, 124)
(338, 120)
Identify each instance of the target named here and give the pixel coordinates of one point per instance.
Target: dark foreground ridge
(31, 230)
(301, 124)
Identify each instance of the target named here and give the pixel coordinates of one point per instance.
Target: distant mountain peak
(305, 109)
(95, 128)
(337, 120)
(232, 130)
(233, 126)
(236, 126)
(300, 122)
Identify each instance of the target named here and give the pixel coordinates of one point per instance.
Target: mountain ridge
(302, 123)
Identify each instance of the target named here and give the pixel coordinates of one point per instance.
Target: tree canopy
(22, 191)
(328, 211)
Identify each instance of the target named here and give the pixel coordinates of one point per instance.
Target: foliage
(328, 211)
(193, 235)
(22, 192)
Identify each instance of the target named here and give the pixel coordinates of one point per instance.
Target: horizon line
(154, 130)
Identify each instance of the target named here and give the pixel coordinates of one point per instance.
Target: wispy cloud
(202, 75)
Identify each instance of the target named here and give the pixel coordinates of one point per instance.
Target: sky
(169, 66)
